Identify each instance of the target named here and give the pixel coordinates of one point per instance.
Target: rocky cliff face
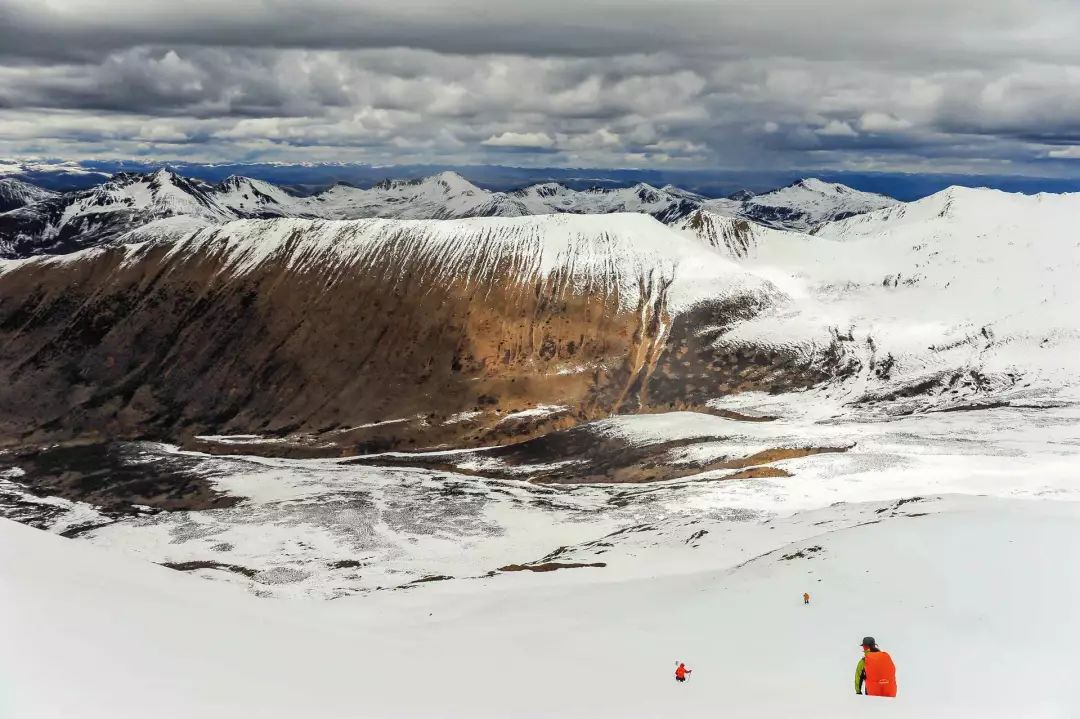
(378, 334)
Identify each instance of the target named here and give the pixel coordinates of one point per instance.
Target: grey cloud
(836, 29)
(686, 82)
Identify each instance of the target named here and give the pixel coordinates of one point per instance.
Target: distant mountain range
(306, 178)
(38, 221)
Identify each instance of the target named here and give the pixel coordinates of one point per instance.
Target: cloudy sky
(867, 85)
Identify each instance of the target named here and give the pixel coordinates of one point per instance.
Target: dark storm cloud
(849, 83)
(74, 28)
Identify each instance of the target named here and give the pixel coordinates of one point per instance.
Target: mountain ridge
(67, 222)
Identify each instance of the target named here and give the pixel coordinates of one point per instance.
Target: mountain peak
(815, 184)
(166, 174)
(452, 181)
(241, 182)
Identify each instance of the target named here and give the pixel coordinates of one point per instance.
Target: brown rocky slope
(348, 337)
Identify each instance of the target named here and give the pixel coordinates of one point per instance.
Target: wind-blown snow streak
(608, 255)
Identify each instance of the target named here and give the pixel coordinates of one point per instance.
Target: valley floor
(974, 597)
(333, 528)
(951, 537)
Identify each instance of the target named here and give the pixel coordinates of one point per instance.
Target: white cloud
(601, 138)
(882, 122)
(519, 139)
(1065, 153)
(161, 132)
(836, 128)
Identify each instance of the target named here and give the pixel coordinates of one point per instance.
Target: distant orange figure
(805, 597)
(681, 672)
(876, 670)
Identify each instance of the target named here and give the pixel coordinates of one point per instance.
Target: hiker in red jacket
(876, 671)
(681, 672)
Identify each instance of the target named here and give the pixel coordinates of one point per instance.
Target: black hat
(868, 642)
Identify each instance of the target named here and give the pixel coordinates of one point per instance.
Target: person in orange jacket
(805, 597)
(876, 670)
(680, 672)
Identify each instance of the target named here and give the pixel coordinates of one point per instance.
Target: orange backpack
(880, 674)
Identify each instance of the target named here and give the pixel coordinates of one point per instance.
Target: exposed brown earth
(584, 455)
(381, 353)
(759, 473)
(740, 417)
(780, 453)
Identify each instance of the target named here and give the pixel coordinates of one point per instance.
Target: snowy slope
(928, 587)
(297, 520)
(804, 205)
(246, 197)
(964, 296)
(611, 252)
(733, 236)
(15, 193)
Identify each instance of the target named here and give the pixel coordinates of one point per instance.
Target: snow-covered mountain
(63, 223)
(248, 198)
(446, 195)
(960, 299)
(414, 321)
(68, 222)
(733, 236)
(804, 205)
(667, 204)
(15, 193)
